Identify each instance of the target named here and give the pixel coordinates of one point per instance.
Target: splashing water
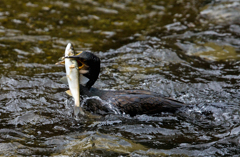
(108, 104)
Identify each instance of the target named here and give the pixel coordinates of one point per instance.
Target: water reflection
(188, 50)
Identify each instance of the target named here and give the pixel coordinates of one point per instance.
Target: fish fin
(72, 66)
(60, 63)
(83, 71)
(69, 77)
(83, 79)
(64, 80)
(69, 73)
(69, 92)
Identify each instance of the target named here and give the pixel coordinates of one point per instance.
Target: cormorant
(131, 102)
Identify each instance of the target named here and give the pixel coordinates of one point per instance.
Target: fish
(73, 78)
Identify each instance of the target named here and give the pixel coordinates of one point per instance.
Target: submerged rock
(222, 13)
(210, 51)
(101, 142)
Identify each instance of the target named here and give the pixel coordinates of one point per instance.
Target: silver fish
(72, 73)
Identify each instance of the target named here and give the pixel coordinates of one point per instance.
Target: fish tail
(78, 110)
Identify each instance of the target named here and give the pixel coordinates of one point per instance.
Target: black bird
(89, 65)
(131, 102)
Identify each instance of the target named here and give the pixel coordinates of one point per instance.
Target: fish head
(69, 51)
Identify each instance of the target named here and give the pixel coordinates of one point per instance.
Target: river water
(186, 49)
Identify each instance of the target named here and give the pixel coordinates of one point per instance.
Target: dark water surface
(189, 50)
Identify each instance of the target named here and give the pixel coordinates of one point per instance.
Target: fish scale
(72, 73)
